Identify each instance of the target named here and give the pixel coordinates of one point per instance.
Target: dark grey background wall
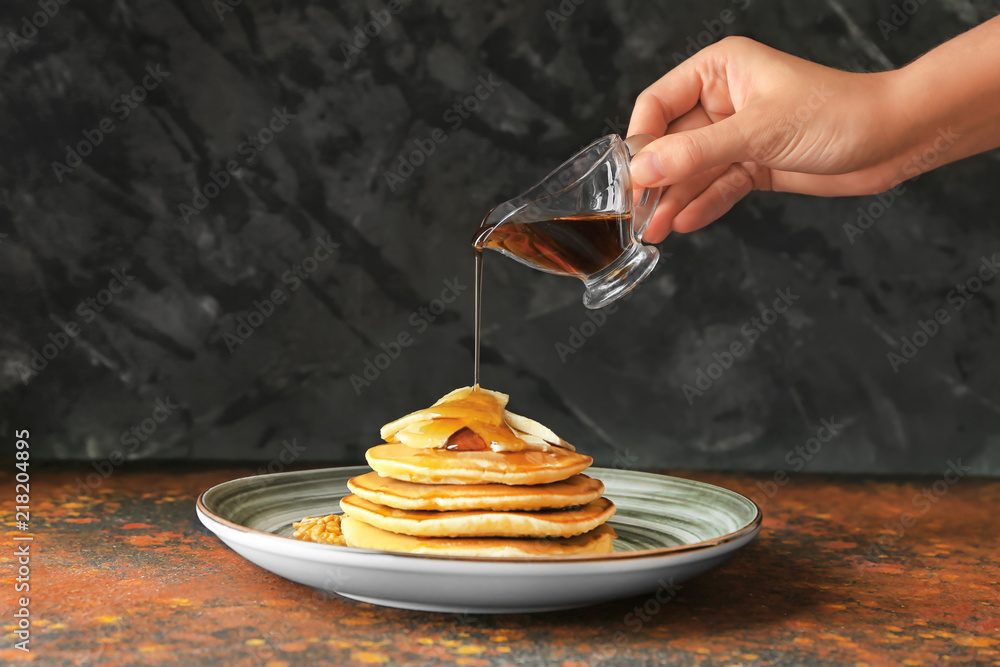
(331, 214)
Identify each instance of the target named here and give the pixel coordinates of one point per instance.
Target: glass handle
(643, 209)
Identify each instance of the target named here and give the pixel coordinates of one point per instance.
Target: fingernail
(655, 238)
(646, 169)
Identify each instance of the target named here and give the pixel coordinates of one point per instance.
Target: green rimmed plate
(669, 530)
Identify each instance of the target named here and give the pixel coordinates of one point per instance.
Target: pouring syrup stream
(479, 312)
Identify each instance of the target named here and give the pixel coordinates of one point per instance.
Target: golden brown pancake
(480, 523)
(360, 534)
(441, 466)
(577, 490)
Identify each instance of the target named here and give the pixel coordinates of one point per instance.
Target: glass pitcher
(582, 220)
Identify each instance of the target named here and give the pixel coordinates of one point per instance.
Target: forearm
(948, 101)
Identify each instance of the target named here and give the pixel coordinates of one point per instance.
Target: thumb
(677, 157)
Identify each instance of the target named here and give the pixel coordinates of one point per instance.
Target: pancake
(577, 490)
(480, 523)
(441, 466)
(360, 534)
(467, 477)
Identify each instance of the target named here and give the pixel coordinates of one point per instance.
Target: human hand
(739, 116)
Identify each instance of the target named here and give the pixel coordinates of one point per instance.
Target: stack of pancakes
(466, 477)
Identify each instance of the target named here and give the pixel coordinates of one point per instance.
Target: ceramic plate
(669, 530)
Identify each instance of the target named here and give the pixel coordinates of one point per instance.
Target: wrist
(904, 109)
(905, 116)
(896, 130)
(947, 102)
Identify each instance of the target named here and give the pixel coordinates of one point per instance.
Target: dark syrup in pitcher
(573, 246)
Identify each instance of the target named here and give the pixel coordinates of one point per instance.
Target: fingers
(733, 185)
(674, 94)
(676, 157)
(647, 117)
(653, 113)
(867, 181)
(692, 111)
(695, 118)
(701, 79)
(675, 199)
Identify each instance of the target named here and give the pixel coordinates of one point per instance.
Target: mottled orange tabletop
(846, 571)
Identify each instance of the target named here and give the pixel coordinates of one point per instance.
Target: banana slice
(482, 411)
(430, 433)
(484, 405)
(529, 427)
(435, 434)
(463, 392)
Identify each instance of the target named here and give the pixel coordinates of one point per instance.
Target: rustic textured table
(846, 570)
